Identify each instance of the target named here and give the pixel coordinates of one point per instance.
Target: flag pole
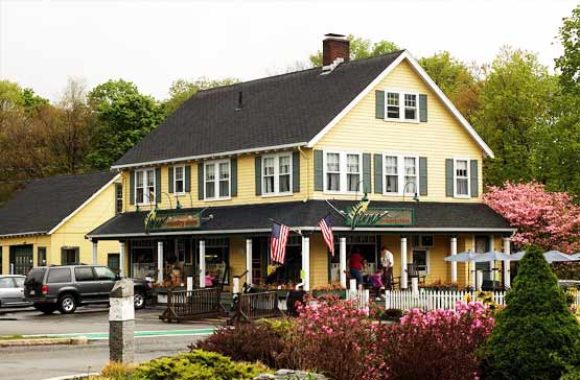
(299, 232)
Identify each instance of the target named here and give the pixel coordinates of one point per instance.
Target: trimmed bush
(251, 342)
(197, 365)
(535, 335)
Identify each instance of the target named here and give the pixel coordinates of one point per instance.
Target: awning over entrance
(380, 216)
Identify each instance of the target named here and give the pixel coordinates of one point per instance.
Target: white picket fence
(432, 299)
(360, 297)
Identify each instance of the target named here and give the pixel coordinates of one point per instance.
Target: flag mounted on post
(326, 229)
(278, 242)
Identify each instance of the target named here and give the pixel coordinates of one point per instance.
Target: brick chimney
(334, 46)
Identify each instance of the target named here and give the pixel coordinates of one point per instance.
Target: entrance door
(481, 246)
(21, 258)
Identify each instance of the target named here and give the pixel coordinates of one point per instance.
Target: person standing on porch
(355, 263)
(387, 262)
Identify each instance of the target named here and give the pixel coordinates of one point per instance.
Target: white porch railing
(433, 299)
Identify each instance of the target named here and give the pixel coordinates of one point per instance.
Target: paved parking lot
(37, 363)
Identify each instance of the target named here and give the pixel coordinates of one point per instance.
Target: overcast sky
(152, 43)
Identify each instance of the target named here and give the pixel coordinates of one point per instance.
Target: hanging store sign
(381, 217)
(172, 220)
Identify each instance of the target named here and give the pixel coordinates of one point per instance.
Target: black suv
(64, 287)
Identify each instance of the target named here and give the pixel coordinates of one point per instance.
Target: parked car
(12, 291)
(65, 287)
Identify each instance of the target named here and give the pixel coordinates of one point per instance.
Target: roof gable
(45, 203)
(406, 56)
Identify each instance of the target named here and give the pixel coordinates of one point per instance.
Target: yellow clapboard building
(201, 192)
(46, 223)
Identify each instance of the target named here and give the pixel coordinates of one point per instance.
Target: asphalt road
(35, 363)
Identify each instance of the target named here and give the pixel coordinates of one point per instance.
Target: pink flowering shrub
(550, 220)
(332, 338)
(438, 344)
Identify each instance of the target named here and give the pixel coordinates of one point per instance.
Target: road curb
(72, 377)
(81, 340)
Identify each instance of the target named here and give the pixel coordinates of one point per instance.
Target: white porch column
(492, 272)
(202, 263)
(306, 262)
(403, 263)
(122, 258)
(471, 266)
(453, 263)
(506, 265)
(95, 252)
(160, 262)
(342, 265)
(249, 278)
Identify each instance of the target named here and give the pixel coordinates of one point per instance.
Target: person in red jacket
(356, 263)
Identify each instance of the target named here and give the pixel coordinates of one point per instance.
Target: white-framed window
(421, 260)
(277, 174)
(145, 186)
(461, 178)
(342, 172)
(400, 174)
(179, 179)
(401, 106)
(217, 183)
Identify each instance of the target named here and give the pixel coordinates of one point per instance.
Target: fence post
(387, 299)
(122, 322)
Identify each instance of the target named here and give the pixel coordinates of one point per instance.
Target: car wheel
(139, 299)
(67, 304)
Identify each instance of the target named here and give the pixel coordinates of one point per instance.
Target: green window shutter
(423, 176)
(131, 187)
(258, 167)
(170, 179)
(367, 187)
(449, 177)
(157, 185)
(318, 171)
(423, 108)
(379, 104)
(234, 176)
(200, 178)
(378, 163)
(474, 179)
(296, 172)
(187, 178)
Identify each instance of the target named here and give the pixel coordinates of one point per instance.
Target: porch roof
(434, 217)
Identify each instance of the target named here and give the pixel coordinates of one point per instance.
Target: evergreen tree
(536, 335)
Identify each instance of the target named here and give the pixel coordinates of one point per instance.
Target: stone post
(122, 322)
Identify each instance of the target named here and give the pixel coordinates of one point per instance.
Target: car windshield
(36, 275)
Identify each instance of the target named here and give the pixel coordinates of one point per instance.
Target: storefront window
(217, 258)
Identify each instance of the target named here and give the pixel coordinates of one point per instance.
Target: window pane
(333, 162)
(353, 182)
(269, 166)
(461, 168)
(104, 273)
(410, 107)
(285, 183)
(284, 165)
(392, 105)
(150, 178)
(6, 283)
(179, 173)
(333, 182)
(352, 163)
(210, 189)
(462, 186)
(269, 184)
(84, 274)
(58, 275)
(139, 180)
(224, 170)
(225, 188)
(392, 184)
(209, 172)
(410, 165)
(391, 165)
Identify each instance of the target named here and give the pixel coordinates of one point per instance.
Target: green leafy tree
(360, 48)
(569, 63)
(456, 80)
(123, 116)
(535, 336)
(183, 89)
(515, 111)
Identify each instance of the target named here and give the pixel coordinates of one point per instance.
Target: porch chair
(413, 272)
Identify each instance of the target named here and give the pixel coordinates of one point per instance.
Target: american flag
(278, 242)
(326, 228)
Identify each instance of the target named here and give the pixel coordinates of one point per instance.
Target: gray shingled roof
(285, 109)
(428, 215)
(45, 202)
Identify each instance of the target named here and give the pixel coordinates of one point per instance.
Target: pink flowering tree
(548, 219)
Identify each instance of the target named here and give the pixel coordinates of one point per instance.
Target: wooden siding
(440, 138)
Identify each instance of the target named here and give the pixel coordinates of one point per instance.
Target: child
(377, 280)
